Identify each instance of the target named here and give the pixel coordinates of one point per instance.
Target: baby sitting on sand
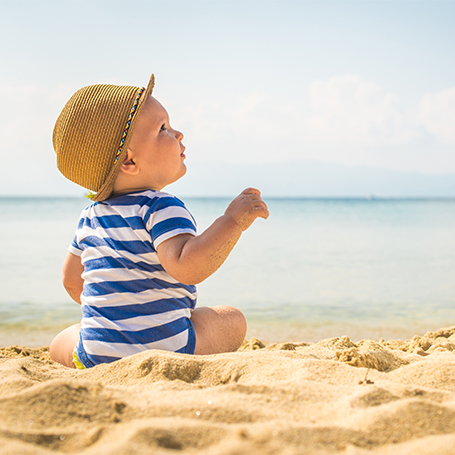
(136, 258)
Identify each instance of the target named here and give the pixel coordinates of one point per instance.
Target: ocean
(317, 268)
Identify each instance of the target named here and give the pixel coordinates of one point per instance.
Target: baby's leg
(218, 329)
(62, 346)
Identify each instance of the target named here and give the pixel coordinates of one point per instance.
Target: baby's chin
(184, 169)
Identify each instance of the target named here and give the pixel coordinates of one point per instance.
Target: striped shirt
(129, 302)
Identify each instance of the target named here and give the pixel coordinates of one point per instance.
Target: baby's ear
(129, 166)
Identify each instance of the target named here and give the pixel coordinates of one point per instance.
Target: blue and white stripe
(129, 302)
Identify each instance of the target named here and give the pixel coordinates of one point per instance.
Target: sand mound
(334, 396)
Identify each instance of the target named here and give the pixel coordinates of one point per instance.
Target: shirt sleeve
(74, 247)
(169, 217)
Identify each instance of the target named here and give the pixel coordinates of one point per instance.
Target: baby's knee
(62, 346)
(53, 349)
(240, 322)
(237, 323)
(218, 329)
(235, 316)
(58, 350)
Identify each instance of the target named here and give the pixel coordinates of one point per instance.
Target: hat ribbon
(128, 123)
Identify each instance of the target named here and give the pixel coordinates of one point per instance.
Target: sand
(330, 397)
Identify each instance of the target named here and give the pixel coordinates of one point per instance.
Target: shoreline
(269, 333)
(334, 396)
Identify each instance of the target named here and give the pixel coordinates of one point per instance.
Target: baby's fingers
(261, 210)
(251, 191)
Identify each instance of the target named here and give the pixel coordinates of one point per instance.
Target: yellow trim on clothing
(77, 362)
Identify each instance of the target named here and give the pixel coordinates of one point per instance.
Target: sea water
(317, 268)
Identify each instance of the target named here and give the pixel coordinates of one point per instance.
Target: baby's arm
(72, 276)
(191, 260)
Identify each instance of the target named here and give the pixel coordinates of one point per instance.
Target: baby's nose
(179, 135)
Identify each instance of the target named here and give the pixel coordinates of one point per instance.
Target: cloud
(344, 109)
(352, 110)
(340, 119)
(27, 117)
(344, 119)
(254, 113)
(437, 113)
(239, 128)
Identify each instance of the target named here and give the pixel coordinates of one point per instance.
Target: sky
(256, 86)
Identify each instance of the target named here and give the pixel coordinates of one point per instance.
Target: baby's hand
(246, 207)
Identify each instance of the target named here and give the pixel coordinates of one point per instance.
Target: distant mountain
(310, 178)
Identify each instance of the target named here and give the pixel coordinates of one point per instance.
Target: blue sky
(368, 84)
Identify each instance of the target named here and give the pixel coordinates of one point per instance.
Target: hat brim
(106, 188)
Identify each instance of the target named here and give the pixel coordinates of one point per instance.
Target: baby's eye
(163, 127)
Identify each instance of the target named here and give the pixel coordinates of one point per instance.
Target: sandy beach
(329, 397)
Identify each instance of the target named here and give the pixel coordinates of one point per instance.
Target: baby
(136, 257)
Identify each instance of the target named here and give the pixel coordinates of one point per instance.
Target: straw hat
(92, 134)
